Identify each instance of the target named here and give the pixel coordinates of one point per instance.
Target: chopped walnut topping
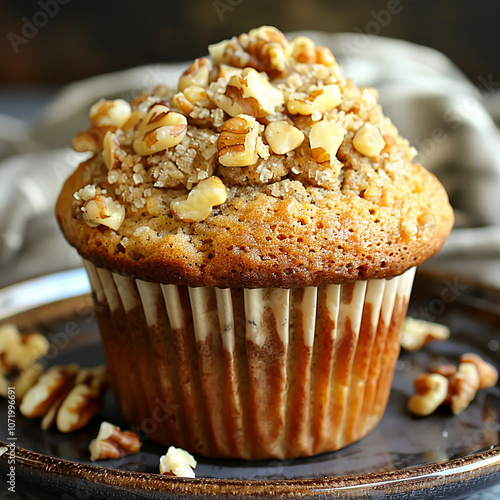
(110, 113)
(104, 210)
(303, 50)
(197, 74)
(415, 333)
(182, 103)
(224, 71)
(198, 96)
(237, 141)
(283, 137)
(111, 442)
(160, 129)
(368, 140)
(111, 146)
(320, 100)
(325, 138)
(324, 56)
(177, 462)
(200, 201)
(227, 118)
(249, 93)
(89, 140)
(262, 49)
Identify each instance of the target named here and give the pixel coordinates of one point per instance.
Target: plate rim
(421, 477)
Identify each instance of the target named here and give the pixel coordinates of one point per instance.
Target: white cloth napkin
(441, 112)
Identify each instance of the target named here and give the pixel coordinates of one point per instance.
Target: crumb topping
(261, 111)
(265, 166)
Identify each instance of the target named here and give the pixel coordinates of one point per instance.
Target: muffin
(251, 239)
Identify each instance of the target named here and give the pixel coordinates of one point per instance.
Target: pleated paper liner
(251, 373)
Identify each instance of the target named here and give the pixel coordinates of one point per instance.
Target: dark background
(84, 38)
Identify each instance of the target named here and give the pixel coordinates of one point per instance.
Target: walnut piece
(464, 387)
(103, 210)
(54, 383)
(262, 49)
(368, 140)
(182, 103)
(415, 333)
(160, 129)
(431, 391)
(17, 352)
(325, 139)
(304, 51)
(110, 147)
(324, 56)
(84, 400)
(224, 71)
(249, 93)
(200, 201)
(473, 374)
(488, 375)
(198, 96)
(197, 74)
(90, 140)
(283, 137)
(462, 384)
(49, 418)
(111, 442)
(267, 49)
(27, 379)
(320, 100)
(237, 141)
(177, 462)
(110, 113)
(64, 395)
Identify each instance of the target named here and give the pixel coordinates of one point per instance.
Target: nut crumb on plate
(415, 333)
(453, 387)
(111, 442)
(177, 462)
(67, 396)
(18, 351)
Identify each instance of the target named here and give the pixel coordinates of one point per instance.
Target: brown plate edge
(483, 467)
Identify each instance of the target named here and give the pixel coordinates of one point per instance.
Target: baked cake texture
(251, 238)
(349, 206)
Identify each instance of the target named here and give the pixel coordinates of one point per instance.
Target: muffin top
(266, 167)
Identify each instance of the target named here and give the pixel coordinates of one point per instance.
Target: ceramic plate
(404, 457)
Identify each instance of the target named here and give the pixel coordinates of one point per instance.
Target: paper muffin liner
(251, 373)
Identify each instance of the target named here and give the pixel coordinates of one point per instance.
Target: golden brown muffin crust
(357, 209)
(266, 242)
